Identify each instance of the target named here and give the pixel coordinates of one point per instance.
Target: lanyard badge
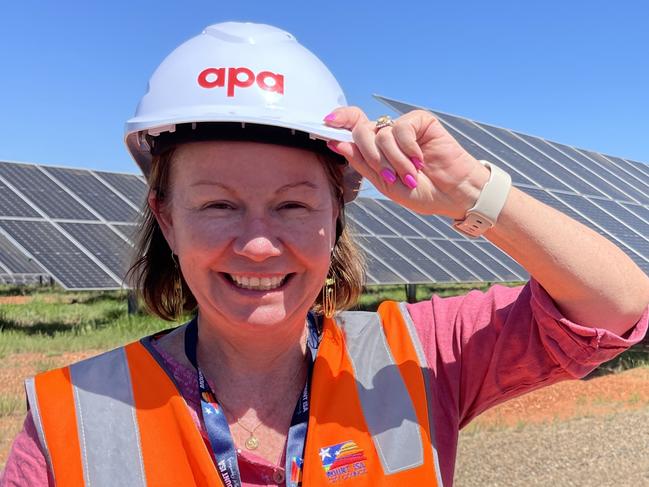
(218, 430)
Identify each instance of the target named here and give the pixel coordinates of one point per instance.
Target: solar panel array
(403, 247)
(606, 193)
(71, 224)
(78, 225)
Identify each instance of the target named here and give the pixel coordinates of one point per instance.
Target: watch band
(484, 214)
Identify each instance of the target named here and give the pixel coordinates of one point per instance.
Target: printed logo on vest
(343, 461)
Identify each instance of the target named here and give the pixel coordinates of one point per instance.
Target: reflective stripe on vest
(369, 408)
(423, 363)
(387, 407)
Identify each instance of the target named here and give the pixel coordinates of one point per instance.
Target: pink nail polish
(417, 163)
(330, 118)
(388, 176)
(410, 181)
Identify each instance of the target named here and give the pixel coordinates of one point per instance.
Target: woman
(245, 225)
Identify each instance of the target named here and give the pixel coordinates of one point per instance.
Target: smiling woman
(155, 270)
(272, 381)
(239, 226)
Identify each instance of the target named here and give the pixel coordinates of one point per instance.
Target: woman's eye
(218, 205)
(292, 205)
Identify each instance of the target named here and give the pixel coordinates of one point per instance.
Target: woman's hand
(414, 162)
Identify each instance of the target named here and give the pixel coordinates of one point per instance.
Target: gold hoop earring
(329, 297)
(177, 301)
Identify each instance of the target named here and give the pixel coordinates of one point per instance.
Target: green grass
(55, 322)
(11, 405)
(374, 295)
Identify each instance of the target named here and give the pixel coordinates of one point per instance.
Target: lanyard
(218, 430)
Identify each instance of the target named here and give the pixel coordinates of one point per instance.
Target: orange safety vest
(118, 418)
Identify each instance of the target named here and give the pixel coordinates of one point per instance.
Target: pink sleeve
(26, 465)
(485, 348)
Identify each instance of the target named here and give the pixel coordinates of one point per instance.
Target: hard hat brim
(154, 124)
(143, 125)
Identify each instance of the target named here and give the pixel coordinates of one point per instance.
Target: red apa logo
(241, 77)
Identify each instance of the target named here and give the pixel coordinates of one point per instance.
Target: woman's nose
(257, 241)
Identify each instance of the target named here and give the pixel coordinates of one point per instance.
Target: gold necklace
(252, 442)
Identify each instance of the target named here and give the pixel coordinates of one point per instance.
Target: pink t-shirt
(481, 349)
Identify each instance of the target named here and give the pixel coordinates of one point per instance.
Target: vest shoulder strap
(132, 425)
(370, 393)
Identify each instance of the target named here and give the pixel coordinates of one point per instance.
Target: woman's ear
(160, 210)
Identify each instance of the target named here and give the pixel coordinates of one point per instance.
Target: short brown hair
(154, 273)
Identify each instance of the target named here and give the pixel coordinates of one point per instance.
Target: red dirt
(15, 299)
(627, 390)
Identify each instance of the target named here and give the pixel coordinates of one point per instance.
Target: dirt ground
(541, 412)
(588, 433)
(626, 391)
(14, 369)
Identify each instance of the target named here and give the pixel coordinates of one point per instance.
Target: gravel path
(602, 451)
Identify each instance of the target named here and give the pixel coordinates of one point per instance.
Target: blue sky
(72, 72)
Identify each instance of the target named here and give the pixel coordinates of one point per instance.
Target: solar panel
(606, 193)
(622, 170)
(128, 231)
(503, 258)
(13, 261)
(613, 177)
(447, 261)
(641, 167)
(95, 194)
(413, 220)
(400, 266)
(58, 255)
(53, 222)
(401, 228)
(379, 273)
(43, 193)
(479, 152)
(12, 205)
(500, 269)
(550, 173)
(129, 185)
(365, 223)
(424, 263)
(109, 248)
(509, 159)
(633, 168)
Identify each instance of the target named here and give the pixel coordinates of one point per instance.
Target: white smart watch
(484, 214)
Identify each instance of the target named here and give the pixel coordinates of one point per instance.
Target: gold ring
(384, 121)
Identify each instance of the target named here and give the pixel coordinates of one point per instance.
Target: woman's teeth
(258, 283)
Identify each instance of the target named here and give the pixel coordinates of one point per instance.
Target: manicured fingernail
(332, 145)
(410, 181)
(330, 118)
(388, 176)
(417, 163)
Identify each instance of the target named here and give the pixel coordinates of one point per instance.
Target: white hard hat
(238, 72)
